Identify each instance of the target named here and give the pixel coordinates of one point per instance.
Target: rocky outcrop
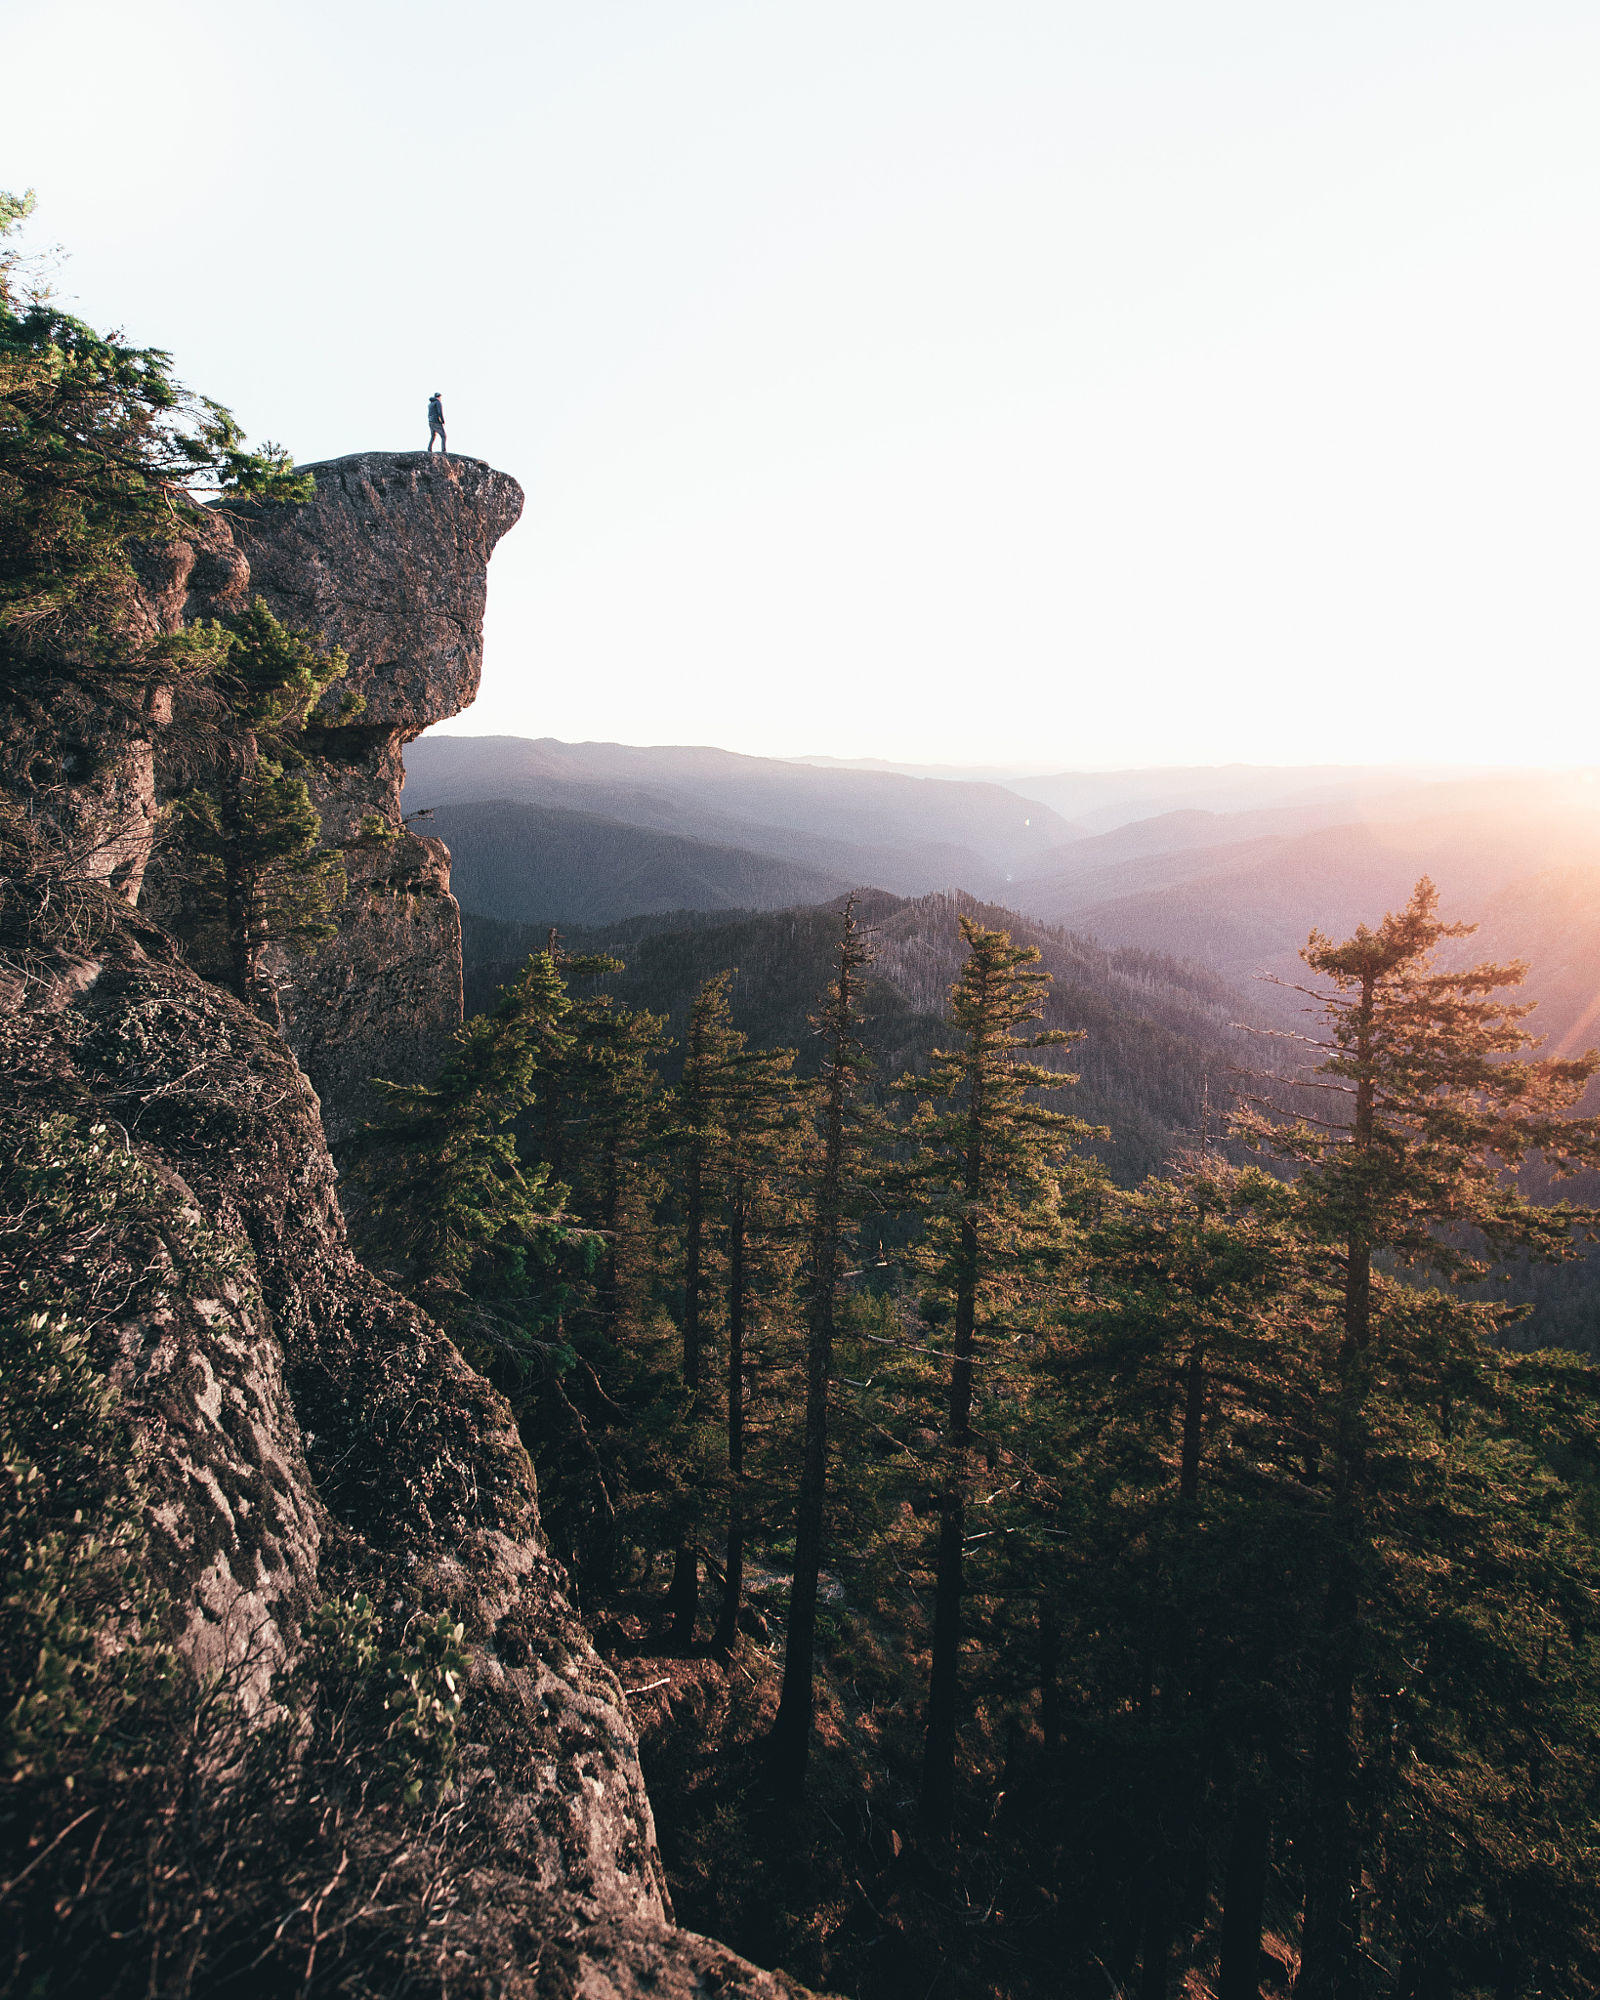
(78, 753)
(302, 1429)
(388, 561)
(308, 1431)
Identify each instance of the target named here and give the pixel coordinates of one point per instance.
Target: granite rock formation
(308, 1431)
(389, 561)
(79, 760)
(304, 1429)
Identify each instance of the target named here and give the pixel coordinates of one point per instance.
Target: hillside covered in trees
(550, 865)
(1161, 1048)
(1166, 1574)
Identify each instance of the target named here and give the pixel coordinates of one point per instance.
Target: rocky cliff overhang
(304, 1429)
(388, 561)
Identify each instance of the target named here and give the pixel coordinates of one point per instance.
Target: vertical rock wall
(390, 562)
(303, 1430)
(77, 761)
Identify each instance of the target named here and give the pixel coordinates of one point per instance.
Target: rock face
(305, 1430)
(308, 1431)
(82, 768)
(390, 562)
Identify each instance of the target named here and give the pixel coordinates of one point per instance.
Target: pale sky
(1065, 384)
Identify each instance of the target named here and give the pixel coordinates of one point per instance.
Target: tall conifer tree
(758, 1119)
(451, 1200)
(1444, 1104)
(984, 1176)
(834, 1199)
(698, 1137)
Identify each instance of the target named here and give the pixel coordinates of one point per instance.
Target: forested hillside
(1031, 1545)
(546, 864)
(900, 833)
(1158, 1037)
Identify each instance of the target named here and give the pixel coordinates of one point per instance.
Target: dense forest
(1184, 1576)
(1064, 1527)
(1162, 1047)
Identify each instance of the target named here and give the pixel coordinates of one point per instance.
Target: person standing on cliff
(436, 423)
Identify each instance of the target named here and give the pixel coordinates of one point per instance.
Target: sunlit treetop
(101, 449)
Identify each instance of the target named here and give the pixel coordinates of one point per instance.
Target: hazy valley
(1233, 886)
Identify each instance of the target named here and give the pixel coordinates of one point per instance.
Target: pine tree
(608, 1436)
(1444, 1105)
(984, 1180)
(471, 1228)
(726, 1115)
(697, 1139)
(757, 1172)
(612, 1075)
(833, 1198)
(260, 871)
(1179, 1396)
(104, 456)
(101, 452)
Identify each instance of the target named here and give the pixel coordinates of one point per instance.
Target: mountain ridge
(912, 834)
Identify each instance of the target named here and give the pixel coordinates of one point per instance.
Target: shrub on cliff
(257, 873)
(101, 449)
(106, 463)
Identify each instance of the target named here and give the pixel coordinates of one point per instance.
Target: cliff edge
(388, 561)
(303, 1431)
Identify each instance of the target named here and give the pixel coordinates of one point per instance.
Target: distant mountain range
(1228, 866)
(906, 834)
(1240, 892)
(1103, 800)
(540, 864)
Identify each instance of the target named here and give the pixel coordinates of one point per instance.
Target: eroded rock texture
(305, 1430)
(390, 562)
(80, 761)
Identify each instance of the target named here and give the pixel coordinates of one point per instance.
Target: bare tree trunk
(738, 1306)
(1330, 1941)
(790, 1743)
(1330, 1966)
(937, 1804)
(683, 1597)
